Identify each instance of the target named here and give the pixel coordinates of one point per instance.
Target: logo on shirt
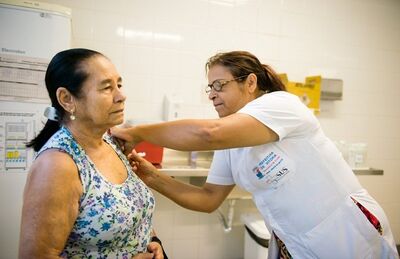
(271, 168)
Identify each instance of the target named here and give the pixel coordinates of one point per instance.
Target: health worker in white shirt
(270, 144)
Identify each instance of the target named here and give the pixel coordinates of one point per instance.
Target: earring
(72, 116)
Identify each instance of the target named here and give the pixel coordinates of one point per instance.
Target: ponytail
(274, 82)
(45, 134)
(66, 69)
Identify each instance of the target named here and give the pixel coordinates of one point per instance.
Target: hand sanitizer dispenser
(172, 108)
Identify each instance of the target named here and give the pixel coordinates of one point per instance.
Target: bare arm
(206, 198)
(50, 206)
(236, 130)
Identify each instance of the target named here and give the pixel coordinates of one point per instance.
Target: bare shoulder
(51, 204)
(54, 168)
(54, 160)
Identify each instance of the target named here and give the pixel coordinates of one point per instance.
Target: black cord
(156, 239)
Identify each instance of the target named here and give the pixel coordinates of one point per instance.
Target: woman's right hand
(124, 138)
(143, 168)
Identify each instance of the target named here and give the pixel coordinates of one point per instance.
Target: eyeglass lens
(216, 85)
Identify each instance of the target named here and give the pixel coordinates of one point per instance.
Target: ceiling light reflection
(229, 3)
(148, 35)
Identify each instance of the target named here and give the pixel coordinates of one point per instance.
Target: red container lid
(152, 153)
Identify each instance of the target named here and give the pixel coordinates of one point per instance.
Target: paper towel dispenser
(331, 89)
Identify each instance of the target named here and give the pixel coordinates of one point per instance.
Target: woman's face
(102, 101)
(232, 96)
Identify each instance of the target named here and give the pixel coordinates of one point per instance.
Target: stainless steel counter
(187, 171)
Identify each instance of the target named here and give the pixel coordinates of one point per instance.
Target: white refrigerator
(30, 34)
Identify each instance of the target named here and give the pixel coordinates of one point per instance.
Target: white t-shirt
(299, 181)
(302, 148)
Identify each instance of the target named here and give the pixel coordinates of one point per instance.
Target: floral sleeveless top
(114, 220)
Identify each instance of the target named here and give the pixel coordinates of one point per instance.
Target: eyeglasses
(219, 83)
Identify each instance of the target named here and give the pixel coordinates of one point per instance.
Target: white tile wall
(160, 47)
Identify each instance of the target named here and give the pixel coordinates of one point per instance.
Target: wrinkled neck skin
(87, 137)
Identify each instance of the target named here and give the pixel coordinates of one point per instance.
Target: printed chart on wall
(16, 129)
(22, 78)
(22, 96)
(21, 85)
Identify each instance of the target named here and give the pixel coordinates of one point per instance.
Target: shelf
(367, 171)
(198, 176)
(178, 165)
(185, 171)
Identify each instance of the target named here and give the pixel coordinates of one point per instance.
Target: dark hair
(243, 63)
(65, 70)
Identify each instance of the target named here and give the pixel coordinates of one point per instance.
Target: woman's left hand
(156, 249)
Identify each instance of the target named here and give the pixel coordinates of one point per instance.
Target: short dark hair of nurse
(64, 70)
(243, 63)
